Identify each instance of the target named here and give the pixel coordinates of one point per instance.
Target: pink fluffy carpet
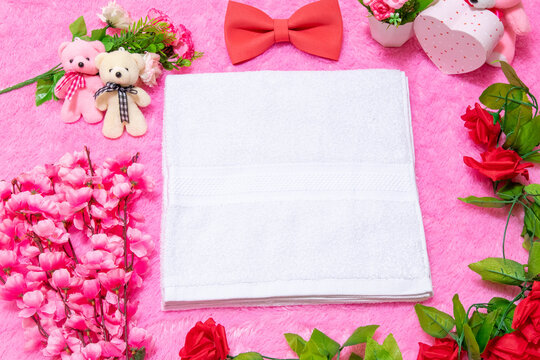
(457, 234)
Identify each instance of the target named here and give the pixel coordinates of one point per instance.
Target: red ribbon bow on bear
(316, 28)
(77, 82)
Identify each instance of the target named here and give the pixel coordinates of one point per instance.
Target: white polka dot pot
(389, 35)
(456, 37)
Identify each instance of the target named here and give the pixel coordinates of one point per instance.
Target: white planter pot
(389, 35)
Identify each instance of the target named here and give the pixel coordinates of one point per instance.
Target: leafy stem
(55, 70)
(516, 199)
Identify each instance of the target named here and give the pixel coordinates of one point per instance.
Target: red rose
(527, 315)
(511, 346)
(444, 349)
(499, 164)
(205, 342)
(480, 123)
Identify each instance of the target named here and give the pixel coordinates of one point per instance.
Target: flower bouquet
(163, 45)
(391, 21)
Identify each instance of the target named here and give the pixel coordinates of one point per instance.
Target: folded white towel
(289, 188)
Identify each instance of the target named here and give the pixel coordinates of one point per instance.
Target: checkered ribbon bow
(122, 97)
(77, 82)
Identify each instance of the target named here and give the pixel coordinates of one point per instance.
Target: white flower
(115, 16)
(152, 69)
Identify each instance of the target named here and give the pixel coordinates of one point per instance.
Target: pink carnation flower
(152, 69)
(396, 4)
(381, 10)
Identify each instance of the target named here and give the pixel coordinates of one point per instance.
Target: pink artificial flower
(91, 288)
(53, 260)
(5, 190)
(396, 4)
(38, 204)
(35, 181)
(140, 244)
(114, 279)
(98, 260)
(138, 337)
(32, 303)
(152, 69)
(119, 164)
(71, 160)
(381, 10)
(35, 279)
(8, 261)
(78, 198)
(184, 43)
(14, 288)
(121, 187)
(113, 348)
(62, 280)
(92, 351)
(75, 177)
(58, 343)
(47, 230)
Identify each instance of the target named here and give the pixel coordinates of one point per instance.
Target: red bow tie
(316, 28)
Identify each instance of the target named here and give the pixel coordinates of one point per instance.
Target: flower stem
(52, 71)
(506, 226)
(124, 236)
(42, 331)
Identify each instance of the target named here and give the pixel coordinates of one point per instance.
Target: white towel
(290, 188)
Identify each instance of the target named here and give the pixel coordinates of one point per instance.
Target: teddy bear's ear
(98, 45)
(139, 60)
(99, 58)
(62, 47)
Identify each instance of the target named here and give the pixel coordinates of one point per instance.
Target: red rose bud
(499, 164)
(511, 346)
(444, 349)
(527, 315)
(205, 341)
(480, 123)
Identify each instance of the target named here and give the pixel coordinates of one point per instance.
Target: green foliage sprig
(321, 347)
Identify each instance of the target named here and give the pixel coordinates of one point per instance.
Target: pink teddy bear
(80, 82)
(515, 23)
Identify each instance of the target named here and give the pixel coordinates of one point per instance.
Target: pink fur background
(30, 33)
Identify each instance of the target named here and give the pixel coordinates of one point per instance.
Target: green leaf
(108, 42)
(98, 34)
(140, 354)
(484, 333)
(360, 335)
(319, 347)
(509, 122)
(296, 343)
(494, 96)
(459, 314)
(355, 357)
(533, 266)
(510, 191)
(487, 202)
(499, 305)
(151, 48)
(434, 322)
(534, 158)
(525, 138)
(498, 270)
(532, 220)
(473, 349)
(512, 76)
(476, 321)
(390, 344)
(44, 90)
(249, 356)
(78, 27)
(534, 191)
(375, 351)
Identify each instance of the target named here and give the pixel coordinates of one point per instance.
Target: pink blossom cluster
(180, 40)
(383, 9)
(71, 252)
